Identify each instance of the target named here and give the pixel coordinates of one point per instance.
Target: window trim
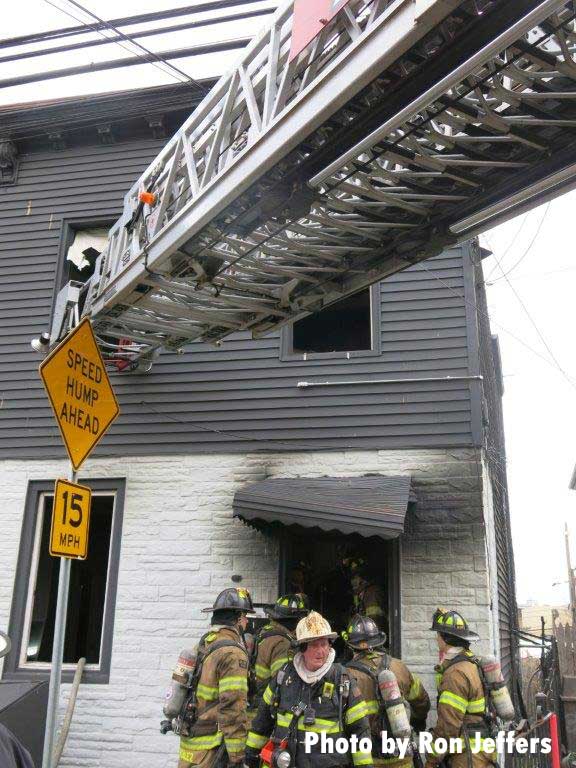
(287, 337)
(13, 668)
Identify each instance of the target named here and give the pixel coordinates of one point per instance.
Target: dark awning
(373, 505)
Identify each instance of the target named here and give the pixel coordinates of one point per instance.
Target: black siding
(241, 396)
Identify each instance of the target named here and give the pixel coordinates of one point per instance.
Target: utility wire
(94, 28)
(494, 322)
(143, 48)
(177, 73)
(84, 28)
(178, 53)
(526, 252)
(510, 244)
(539, 275)
(534, 325)
(145, 33)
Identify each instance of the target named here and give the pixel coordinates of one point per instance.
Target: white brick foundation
(180, 547)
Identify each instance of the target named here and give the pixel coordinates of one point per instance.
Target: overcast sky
(537, 251)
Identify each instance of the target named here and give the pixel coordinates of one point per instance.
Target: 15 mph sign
(80, 392)
(70, 520)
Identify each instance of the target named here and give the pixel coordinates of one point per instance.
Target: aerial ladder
(353, 139)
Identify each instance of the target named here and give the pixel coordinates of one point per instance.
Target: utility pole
(571, 584)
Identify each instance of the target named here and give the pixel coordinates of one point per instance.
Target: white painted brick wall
(180, 546)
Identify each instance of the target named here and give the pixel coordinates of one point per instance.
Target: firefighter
(274, 645)
(299, 577)
(368, 598)
(366, 642)
(462, 706)
(312, 698)
(218, 733)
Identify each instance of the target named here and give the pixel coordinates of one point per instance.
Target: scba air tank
(499, 694)
(180, 684)
(394, 703)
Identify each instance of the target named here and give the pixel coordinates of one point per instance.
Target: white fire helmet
(314, 627)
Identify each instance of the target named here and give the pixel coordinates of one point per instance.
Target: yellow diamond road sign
(80, 392)
(70, 520)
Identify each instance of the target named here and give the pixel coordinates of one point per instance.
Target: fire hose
(69, 713)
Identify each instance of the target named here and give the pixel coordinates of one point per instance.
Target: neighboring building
(531, 615)
(405, 402)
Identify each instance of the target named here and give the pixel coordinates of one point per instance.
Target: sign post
(84, 405)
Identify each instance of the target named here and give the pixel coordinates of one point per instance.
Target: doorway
(313, 561)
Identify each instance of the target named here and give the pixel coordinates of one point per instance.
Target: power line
(178, 53)
(147, 51)
(474, 306)
(94, 29)
(539, 275)
(533, 322)
(510, 244)
(189, 10)
(527, 251)
(145, 33)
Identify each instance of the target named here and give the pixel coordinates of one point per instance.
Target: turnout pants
(208, 759)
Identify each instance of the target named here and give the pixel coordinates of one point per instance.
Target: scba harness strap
(487, 714)
(190, 712)
(384, 724)
(339, 697)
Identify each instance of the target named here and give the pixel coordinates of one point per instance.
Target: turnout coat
(222, 695)
(336, 706)
(273, 650)
(462, 707)
(411, 689)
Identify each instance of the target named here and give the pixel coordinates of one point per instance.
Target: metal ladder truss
(403, 128)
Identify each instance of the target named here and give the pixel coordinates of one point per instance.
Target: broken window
(87, 244)
(346, 326)
(91, 599)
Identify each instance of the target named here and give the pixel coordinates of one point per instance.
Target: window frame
(287, 337)
(14, 669)
(68, 228)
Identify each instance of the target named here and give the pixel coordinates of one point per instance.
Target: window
(92, 593)
(85, 247)
(81, 242)
(347, 328)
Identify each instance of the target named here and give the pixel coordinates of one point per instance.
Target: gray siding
(494, 443)
(241, 396)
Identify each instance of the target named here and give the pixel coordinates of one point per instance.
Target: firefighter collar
(216, 628)
(313, 677)
(449, 656)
